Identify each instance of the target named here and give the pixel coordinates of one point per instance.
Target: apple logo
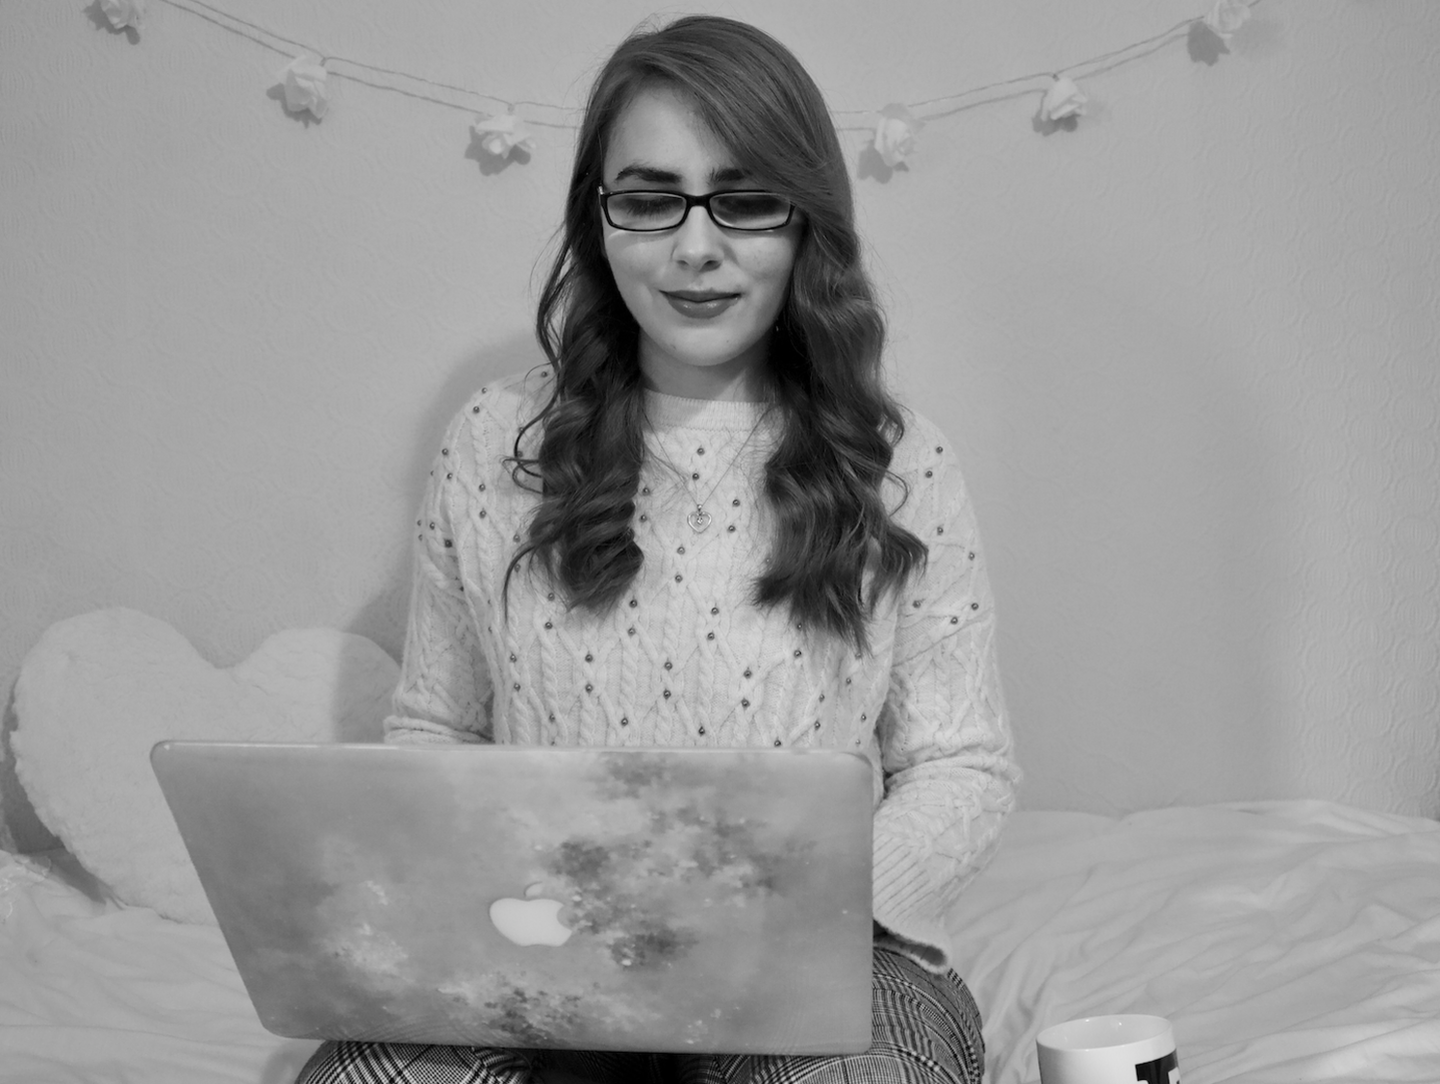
(530, 921)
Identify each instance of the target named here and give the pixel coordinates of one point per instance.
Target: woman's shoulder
(481, 435)
(496, 411)
(922, 446)
(925, 463)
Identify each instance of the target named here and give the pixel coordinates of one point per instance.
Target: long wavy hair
(835, 550)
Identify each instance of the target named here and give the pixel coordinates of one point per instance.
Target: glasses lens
(751, 210)
(645, 210)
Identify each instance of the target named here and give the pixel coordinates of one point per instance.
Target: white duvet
(1295, 941)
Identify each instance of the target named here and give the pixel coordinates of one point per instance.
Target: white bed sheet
(93, 992)
(1288, 941)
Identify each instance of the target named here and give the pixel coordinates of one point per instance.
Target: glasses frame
(692, 202)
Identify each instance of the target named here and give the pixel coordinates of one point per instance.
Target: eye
(752, 210)
(643, 206)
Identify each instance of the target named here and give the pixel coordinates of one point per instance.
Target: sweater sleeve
(945, 740)
(444, 693)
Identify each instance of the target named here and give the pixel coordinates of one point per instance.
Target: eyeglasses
(651, 212)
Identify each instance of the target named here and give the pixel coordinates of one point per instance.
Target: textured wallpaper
(1187, 350)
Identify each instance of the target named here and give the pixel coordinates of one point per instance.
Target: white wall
(1187, 350)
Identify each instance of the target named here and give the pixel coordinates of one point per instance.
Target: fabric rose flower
(895, 135)
(123, 13)
(1226, 17)
(304, 83)
(500, 135)
(1063, 99)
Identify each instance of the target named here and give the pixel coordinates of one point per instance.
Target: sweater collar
(666, 412)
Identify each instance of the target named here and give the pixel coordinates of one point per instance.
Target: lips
(699, 304)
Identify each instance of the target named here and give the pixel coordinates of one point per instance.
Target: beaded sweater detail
(686, 658)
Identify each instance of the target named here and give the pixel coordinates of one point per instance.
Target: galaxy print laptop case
(591, 898)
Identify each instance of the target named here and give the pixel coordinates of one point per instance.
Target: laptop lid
(590, 898)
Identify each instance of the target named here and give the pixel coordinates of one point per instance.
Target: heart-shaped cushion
(98, 691)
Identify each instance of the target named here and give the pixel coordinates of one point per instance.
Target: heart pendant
(698, 520)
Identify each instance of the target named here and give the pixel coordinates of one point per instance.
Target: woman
(705, 523)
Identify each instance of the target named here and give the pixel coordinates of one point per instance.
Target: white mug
(1109, 1050)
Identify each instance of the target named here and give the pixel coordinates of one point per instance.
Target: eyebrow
(655, 175)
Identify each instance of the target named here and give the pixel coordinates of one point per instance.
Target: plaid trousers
(926, 1030)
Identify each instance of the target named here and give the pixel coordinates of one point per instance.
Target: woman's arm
(444, 693)
(944, 735)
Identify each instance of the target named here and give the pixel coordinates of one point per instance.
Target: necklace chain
(699, 519)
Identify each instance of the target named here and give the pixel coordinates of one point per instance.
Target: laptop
(589, 898)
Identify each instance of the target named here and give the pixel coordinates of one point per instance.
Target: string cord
(266, 38)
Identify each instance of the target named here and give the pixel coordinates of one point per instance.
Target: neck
(736, 380)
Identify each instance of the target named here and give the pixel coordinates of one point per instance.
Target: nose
(698, 243)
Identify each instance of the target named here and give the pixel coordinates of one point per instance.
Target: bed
(1287, 941)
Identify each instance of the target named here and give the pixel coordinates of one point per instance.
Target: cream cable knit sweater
(686, 659)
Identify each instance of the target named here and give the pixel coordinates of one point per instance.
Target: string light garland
(304, 83)
(123, 14)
